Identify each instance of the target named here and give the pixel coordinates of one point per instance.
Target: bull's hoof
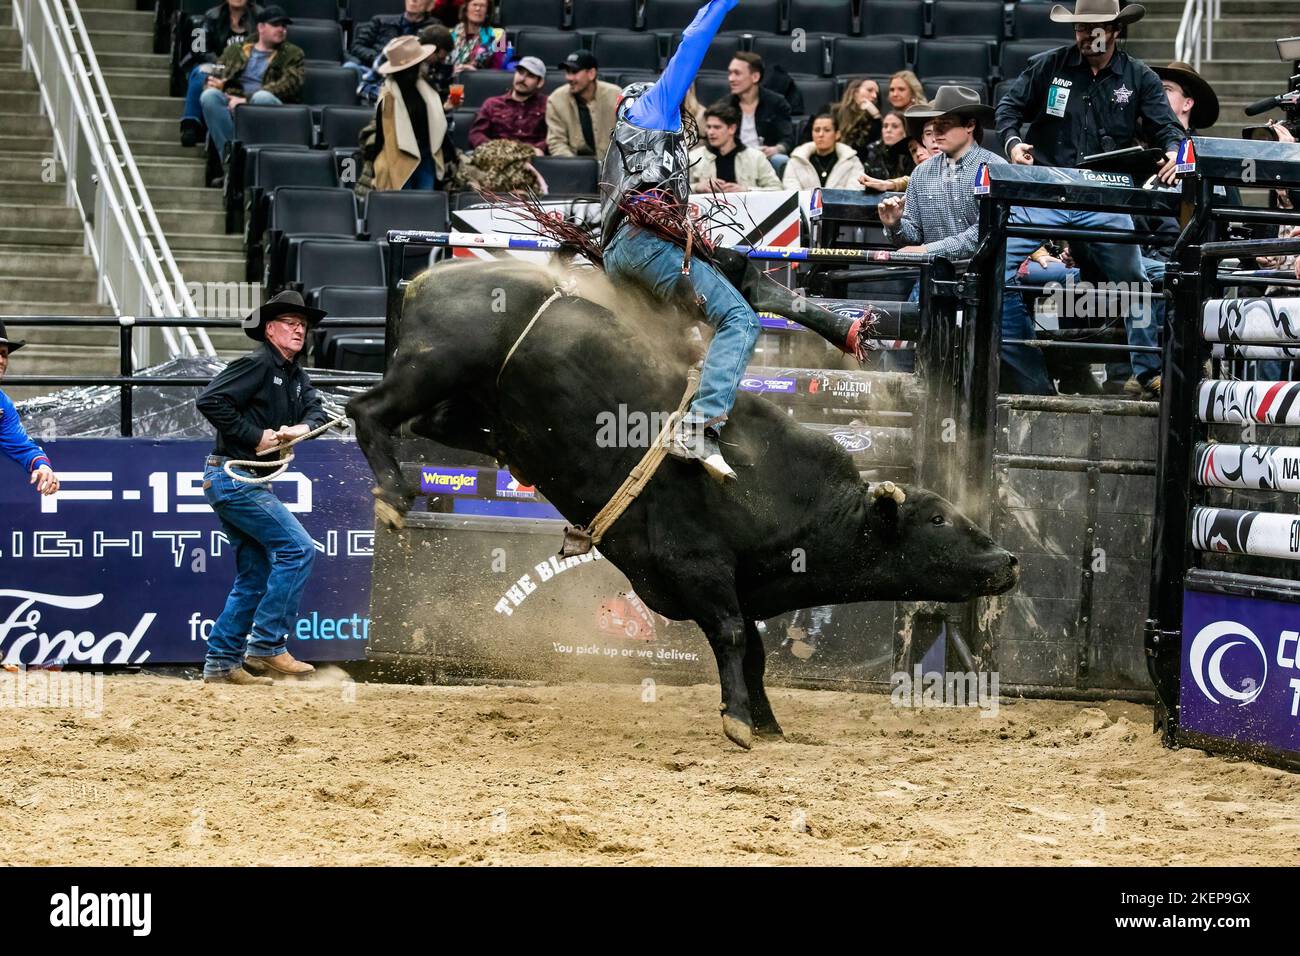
(737, 731)
(769, 730)
(387, 512)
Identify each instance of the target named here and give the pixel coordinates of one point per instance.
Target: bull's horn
(887, 489)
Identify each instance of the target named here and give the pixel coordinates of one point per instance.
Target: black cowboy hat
(13, 346)
(282, 304)
(958, 100)
(1205, 102)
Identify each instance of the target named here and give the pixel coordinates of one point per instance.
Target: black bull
(799, 529)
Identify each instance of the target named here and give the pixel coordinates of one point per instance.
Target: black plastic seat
(549, 46)
(482, 84)
(354, 302)
(569, 175)
(632, 51)
(711, 86)
(779, 51)
(532, 13)
(818, 91)
(329, 86)
(300, 10)
(362, 11)
(1033, 21)
(285, 127)
(722, 49)
(880, 55)
(950, 19)
(462, 120)
(821, 16)
(893, 18)
(341, 126)
(276, 168)
(602, 15)
(297, 213)
(1016, 55)
(319, 39)
(337, 262)
(935, 58)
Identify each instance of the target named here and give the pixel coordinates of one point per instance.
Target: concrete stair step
(34, 192)
(211, 268)
(24, 124)
(188, 220)
(1225, 28)
(153, 129)
(72, 338)
(22, 101)
(53, 308)
(167, 174)
(20, 260)
(123, 41)
(16, 78)
(163, 148)
(146, 82)
(1151, 50)
(41, 237)
(9, 37)
(148, 107)
(185, 197)
(129, 20)
(46, 288)
(185, 243)
(1248, 70)
(47, 217)
(108, 5)
(132, 61)
(26, 167)
(28, 144)
(1259, 48)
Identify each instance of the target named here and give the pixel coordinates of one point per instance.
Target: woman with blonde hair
(476, 45)
(905, 90)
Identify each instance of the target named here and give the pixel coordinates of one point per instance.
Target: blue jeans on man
(196, 83)
(216, 113)
(273, 559)
(1023, 367)
(656, 264)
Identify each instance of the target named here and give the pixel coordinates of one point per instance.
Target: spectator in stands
(765, 116)
(858, 116)
(370, 38)
(580, 116)
(905, 90)
(14, 440)
(410, 124)
(226, 23)
(723, 164)
(437, 69)
(776, 79)
(519, 114)
(940, 212)
(825, 162)
(266, 73)
(889, 158)
(917, 151)
(1079, 99)
(478, 45)
(447, 12)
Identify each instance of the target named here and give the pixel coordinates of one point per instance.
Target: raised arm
(660, 107)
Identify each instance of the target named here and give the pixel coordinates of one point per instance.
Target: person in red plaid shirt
(519, 114)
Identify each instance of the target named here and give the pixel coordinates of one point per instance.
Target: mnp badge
(1185, 160)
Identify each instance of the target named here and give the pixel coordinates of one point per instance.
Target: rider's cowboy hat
(1205, 105)
(404, 53)
(1098, 11)
(958, 100)
(12, 345)
(278, 305)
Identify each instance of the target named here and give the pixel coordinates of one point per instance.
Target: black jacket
(261, 390)
(778, 80)
(217, 34)
(772, 118)
(377, 32)
(1086, 114)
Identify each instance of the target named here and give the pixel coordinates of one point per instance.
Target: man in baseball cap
(519, 114)
(580, 115)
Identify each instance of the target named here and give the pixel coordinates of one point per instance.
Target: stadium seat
(952, 19)
(360, 11)
(275, 168)
(817, 91)
(569, 175)
(998, 90)
(482, 84)
(842, 81)
(351, 350)
(936, 58)
(341, 126)
(627, 77)
(893, 18)
(404, 209)
(821, 16)
(720, 53)
(751, 16)
(1032, 21)
(354, 302)
(319, 39)
(779, 51)
(711, 86)
(671, 16)
(1016, 55)
(288, 126)
(301, 10)
(554, 80)
(879, 55)
(329, 86)
(549, 46)
(297, 213)
(532, 13)
(337, 262)
(632, 51)
(462, 120)
(600, 15)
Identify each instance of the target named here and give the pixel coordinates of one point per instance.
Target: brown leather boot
(237, 676)
(282, 664)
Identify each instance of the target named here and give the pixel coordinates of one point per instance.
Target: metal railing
(1196, 31)
(133, 278)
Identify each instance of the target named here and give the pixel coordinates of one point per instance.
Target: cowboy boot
(280, 665)
(237, 676)
(691, 440)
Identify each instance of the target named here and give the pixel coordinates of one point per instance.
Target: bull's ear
(884, 516)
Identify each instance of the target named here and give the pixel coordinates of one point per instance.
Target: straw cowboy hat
(958, 100)
(1205, 102)
(278, 305)
(13, 346)
(404, 53)
(1098, 11)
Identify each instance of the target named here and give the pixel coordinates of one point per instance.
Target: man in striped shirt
(939, 214)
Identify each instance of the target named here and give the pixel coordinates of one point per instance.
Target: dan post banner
(128, 564)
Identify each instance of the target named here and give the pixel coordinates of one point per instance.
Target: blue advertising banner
(127, 564)
(1241, 669)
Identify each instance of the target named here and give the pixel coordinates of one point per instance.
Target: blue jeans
(1023, 368)
(217, 115)
(656, 264)
(273, 559)
(425, 175)
(197, 82)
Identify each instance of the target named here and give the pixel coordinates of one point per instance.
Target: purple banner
(437, 480)
(127, 564)
(1241, 669)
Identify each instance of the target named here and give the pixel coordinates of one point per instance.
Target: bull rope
(282, 463)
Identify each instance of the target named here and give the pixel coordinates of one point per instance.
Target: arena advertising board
(1241, 669)
(127, 564)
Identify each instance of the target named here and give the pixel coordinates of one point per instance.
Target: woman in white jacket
(825, 162)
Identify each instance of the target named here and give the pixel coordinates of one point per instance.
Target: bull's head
(919, 547)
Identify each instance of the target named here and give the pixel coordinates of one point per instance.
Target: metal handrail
(1197, 25)
(181, 302)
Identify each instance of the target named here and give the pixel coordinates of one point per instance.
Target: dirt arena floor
(173, 772)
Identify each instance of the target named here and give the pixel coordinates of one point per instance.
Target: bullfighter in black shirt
(258, 403)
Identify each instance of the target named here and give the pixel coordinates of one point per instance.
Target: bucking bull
(800, 528)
